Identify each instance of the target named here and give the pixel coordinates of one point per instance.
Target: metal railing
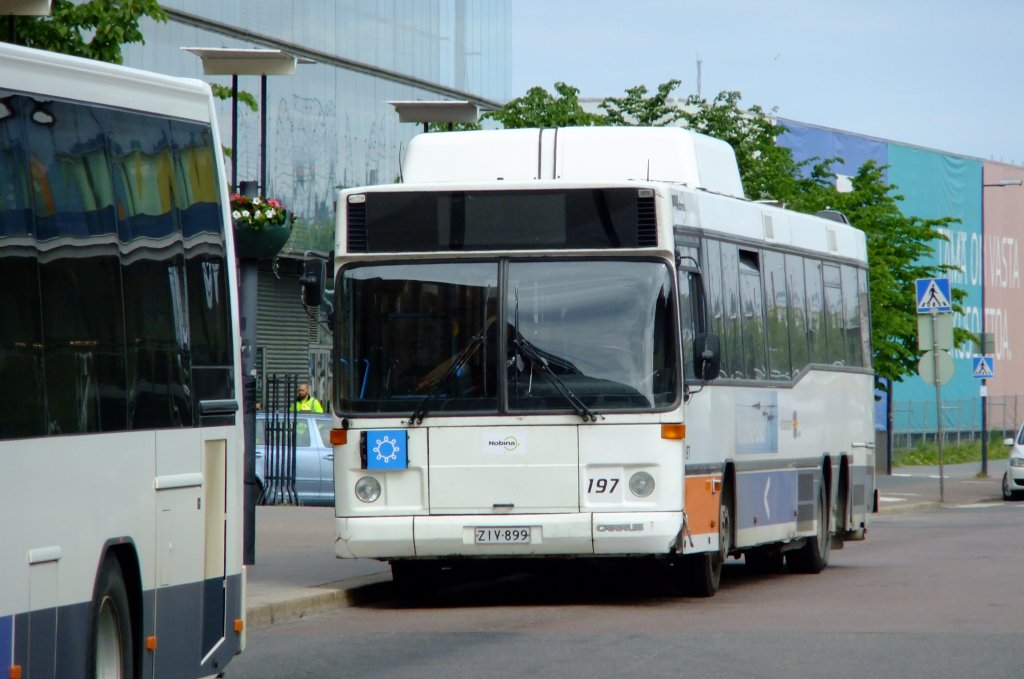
(914, 421)
(279, 427)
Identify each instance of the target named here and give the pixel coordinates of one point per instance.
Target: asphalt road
(930, 594)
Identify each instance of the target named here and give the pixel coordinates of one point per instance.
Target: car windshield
(505, 336)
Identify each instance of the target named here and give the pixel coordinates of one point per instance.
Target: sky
(942, 74)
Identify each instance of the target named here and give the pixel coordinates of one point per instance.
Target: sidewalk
(296, 573)
(915, 488)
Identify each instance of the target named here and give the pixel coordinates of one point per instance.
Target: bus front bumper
(605, 533)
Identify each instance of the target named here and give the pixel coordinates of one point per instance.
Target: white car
(1013, 479)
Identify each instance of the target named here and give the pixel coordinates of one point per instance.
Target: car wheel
(1009, 494)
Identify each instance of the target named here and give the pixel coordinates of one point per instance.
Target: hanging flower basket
(262, 226)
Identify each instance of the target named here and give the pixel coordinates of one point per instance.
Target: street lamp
(235, 62)
(427, 112)
(23, 8)
(984, 336)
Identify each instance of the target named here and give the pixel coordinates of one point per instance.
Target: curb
(321, 599)
(906, 508)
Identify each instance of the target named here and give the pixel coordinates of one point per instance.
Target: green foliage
(636, 109)
(952, 453)
(540, 108)
(224, 92)
(96, 29)
(768, 170)
(897, 245)
(454, 127)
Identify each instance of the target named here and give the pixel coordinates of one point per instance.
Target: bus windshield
(484, 337)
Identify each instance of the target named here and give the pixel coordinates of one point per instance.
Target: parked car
(314, 458)
(1013, 479)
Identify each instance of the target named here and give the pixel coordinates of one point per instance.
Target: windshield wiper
(531, 352)
(458, 360)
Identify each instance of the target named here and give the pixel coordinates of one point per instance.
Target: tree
(96, 29)
(896, 244)
(540, 108)
(768, 170)
(636, 109)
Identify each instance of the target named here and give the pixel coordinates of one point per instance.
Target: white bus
(120, 431)
(584, 342)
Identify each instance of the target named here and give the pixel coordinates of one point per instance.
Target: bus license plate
(503, 535)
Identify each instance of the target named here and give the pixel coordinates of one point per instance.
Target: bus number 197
(600, 486)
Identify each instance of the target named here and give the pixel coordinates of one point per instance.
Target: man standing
(305, 402)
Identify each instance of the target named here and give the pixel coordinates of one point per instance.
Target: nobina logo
(508, 443)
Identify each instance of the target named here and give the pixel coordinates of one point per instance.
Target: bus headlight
(641, 484)
(368, 489)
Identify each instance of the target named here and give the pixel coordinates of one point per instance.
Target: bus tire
(813, 556)
(112, 644)
(702, 573)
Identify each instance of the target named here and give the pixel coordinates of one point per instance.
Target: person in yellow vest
(305, 402)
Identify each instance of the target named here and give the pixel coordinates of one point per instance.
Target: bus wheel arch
(115, 647)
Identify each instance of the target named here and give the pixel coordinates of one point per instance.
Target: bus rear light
(339, 437)
(674, 432)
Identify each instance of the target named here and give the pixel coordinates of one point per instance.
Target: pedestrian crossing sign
(933, 295)
(984, 367)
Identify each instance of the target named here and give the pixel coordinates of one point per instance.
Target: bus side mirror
(707, 356)
(313, 273)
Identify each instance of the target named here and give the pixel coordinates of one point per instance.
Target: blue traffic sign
(983, 367)
(933, 295)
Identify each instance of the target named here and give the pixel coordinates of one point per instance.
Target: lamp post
(23, 8)
(235, 62)
(984, 313)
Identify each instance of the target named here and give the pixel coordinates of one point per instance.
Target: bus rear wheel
(112, 641)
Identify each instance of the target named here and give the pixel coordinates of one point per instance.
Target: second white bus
(584, 342)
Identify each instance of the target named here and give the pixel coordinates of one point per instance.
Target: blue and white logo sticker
(387, 449)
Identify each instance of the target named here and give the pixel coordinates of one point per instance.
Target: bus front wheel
(702, 573)
(111, 625)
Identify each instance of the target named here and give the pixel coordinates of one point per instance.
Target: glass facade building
(329, 125)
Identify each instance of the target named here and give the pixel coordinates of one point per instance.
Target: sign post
(934, 299)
